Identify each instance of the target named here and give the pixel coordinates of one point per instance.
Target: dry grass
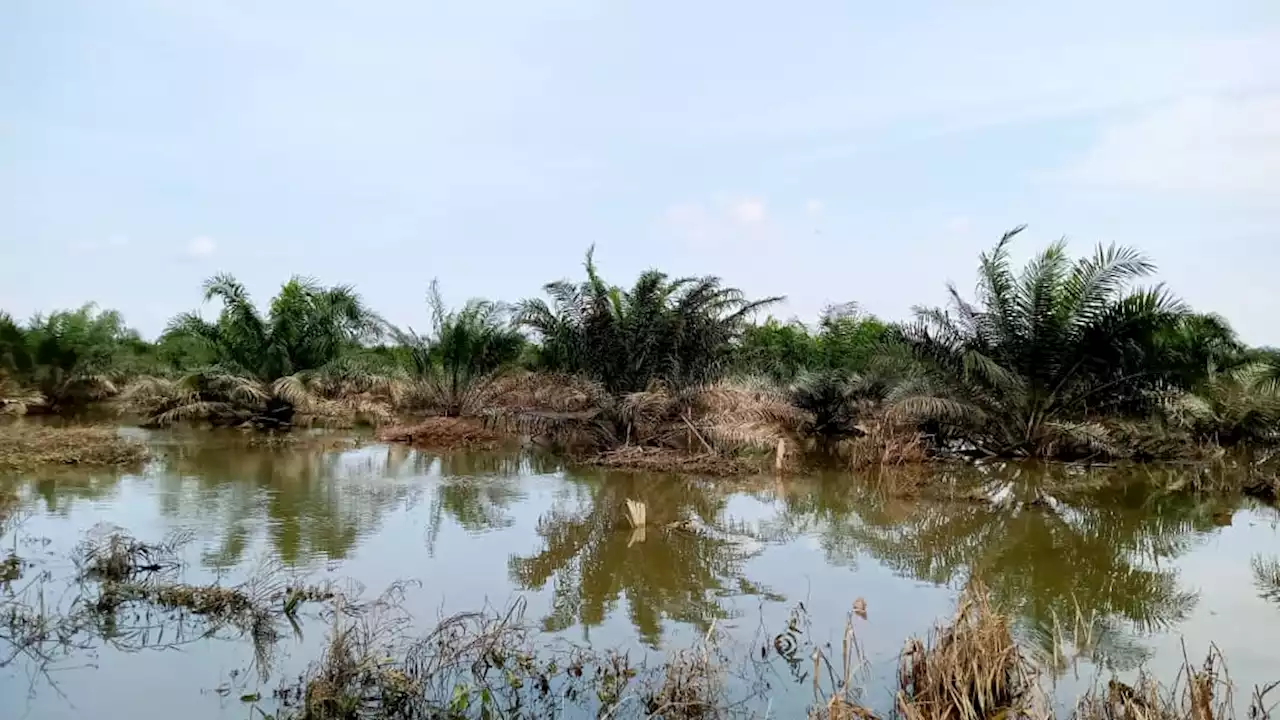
(692, 683)
(493, 664)
(1198, 693)
(841, 700)
(884, 445)
(729, 418)
(668, 460)
(444, 433)
(108, 554)
(967, 670)
(24, 447)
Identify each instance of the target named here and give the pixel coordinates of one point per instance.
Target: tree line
(1061, 357)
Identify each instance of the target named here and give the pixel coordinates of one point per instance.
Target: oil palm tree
(1024, 369)
(67, 358)
(266, 366)
(1230, 407)
(454, 366)
(680, 331)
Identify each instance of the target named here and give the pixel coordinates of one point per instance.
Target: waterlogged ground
(1103, 572)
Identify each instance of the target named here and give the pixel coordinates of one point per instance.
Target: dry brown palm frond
(647, 408)
(667, 460)
(294, 391)
(198, 410)
(548, 392)
(746, 436)
(15, 400)
(749, 400)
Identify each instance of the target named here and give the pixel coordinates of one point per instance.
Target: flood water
(1101, 571)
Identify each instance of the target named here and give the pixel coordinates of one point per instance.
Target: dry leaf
(860, 608)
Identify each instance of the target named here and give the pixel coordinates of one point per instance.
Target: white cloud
(722, 221)
(747, 211)
(202, 246)
(1217, 145)
(814, 207)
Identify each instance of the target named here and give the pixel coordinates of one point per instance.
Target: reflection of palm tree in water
(594, 560)
(475, 490)
(313, 502)
(1099, 557)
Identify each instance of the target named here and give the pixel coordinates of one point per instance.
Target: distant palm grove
(1070, 358)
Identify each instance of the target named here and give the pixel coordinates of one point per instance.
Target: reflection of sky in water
(470, 528)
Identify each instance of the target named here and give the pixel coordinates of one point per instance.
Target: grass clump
(969, 669)
(24, 447)
(1198, 693)
(109, 554)
(492, 664)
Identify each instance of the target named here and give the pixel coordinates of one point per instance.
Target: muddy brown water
(1103, 572)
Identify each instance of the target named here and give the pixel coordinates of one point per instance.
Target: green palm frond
(1021, 369)
(680, 331)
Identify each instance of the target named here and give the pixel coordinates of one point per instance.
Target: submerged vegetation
(1065, 358)
(380, 662)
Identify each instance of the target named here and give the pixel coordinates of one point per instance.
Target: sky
(826, 151)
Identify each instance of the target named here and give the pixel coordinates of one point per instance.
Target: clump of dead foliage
(23, 447)
(737, 420)
(118, 572)
(882, 444)
(667, 460)
(109, 554)
(444, 433)
(968, 669)
(126, 594)
(1202, 692)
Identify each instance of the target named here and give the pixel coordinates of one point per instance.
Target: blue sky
(828, 151)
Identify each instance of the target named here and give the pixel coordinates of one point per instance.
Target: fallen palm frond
(23, 447)
(748, 414)
(443, 432)
(15, 400)
(227, 399)
(560, 410)
(721, 419)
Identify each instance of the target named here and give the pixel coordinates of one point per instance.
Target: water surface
(1103, 572)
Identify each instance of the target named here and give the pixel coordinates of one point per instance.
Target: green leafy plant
(454, 367)
(680, 331)
(269, 368)
(1026, 369)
